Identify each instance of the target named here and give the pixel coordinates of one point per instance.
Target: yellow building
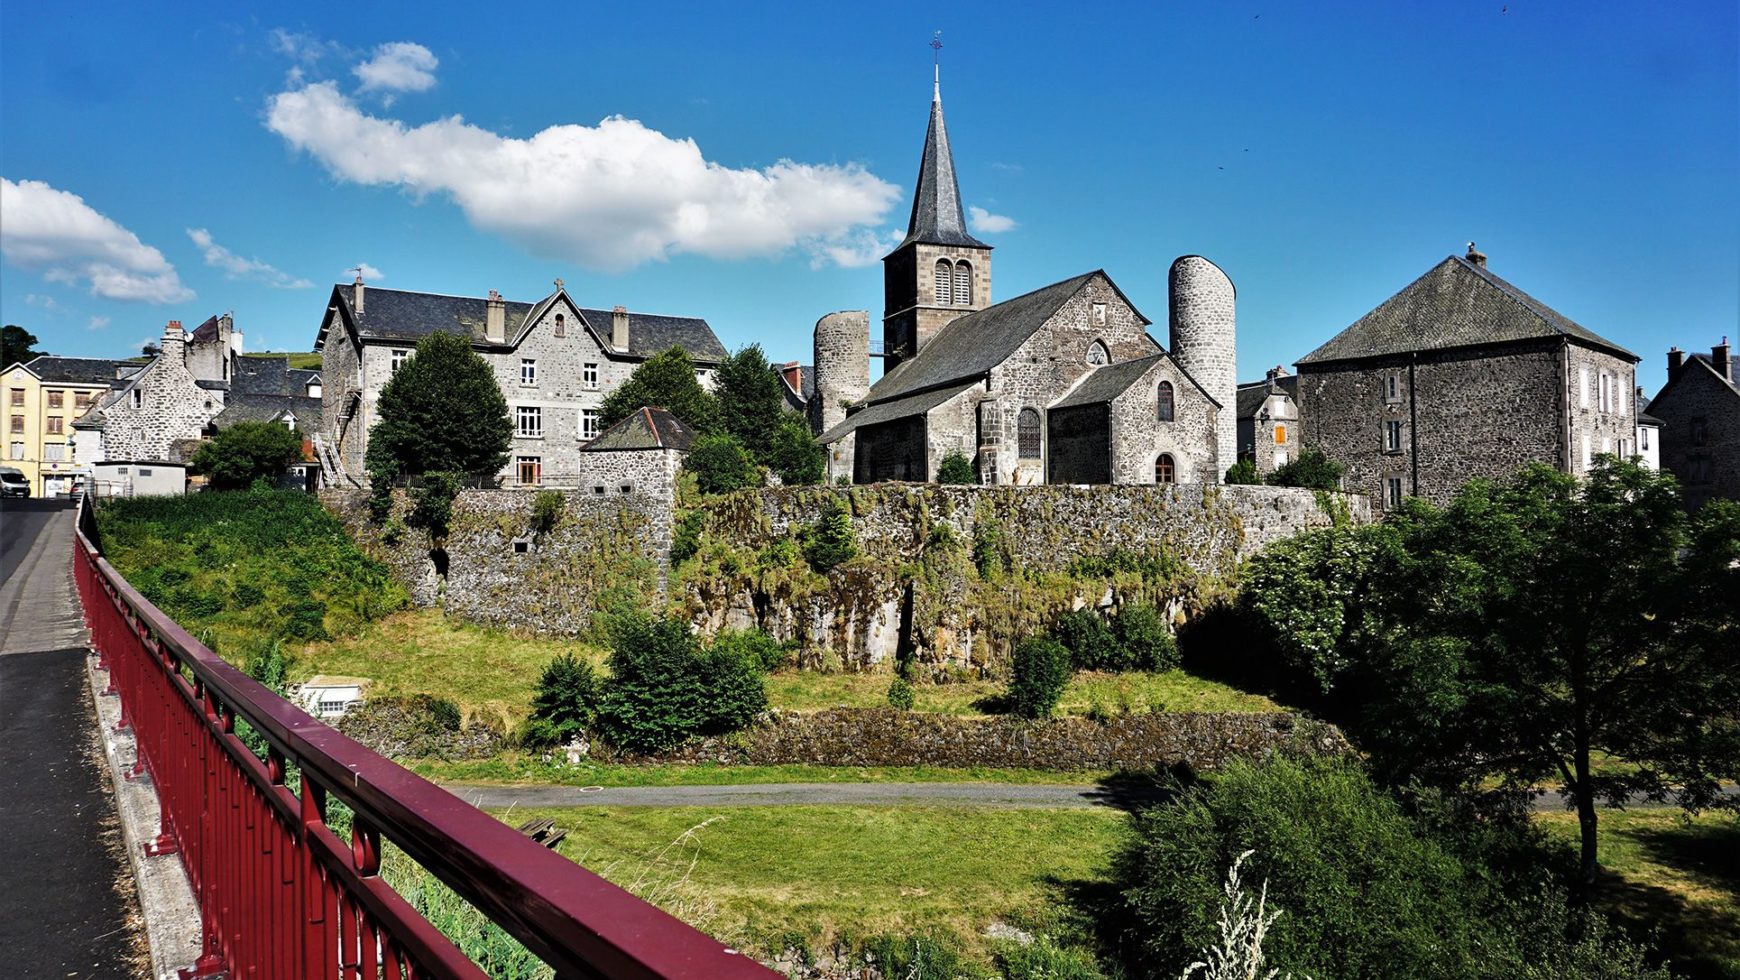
(42, 400)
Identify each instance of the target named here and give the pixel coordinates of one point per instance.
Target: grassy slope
(306, 361)
(1660, 869)
(518, 767)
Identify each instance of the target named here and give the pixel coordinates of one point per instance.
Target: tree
(663, 689)
(1243, 473)
(17, 345)
(1529, 627)
(666, 381)
(563, 706)
(1312, 470)
(720, 464)
(956, 468)
(1039, 673)
(441, 411)
(794, 453)
(751, 400)
(830, 541)
(246, 452)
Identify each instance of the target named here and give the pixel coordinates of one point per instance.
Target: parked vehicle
(13, 483)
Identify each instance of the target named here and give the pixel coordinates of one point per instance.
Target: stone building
(1268, 418)
(554, 360)
(642, 453)
(1059, 385)
(1699, 409)
(1463, 375)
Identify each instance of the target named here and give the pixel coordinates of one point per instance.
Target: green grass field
(1661, 869)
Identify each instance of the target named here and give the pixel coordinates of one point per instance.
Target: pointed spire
(937, 217)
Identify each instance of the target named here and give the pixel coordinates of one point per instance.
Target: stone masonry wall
(172, 408)
(1706, 457)
(1202, 328)
(1191, 438)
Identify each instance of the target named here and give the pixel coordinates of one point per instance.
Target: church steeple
(937, 218)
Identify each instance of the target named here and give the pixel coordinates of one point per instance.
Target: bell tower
(939, 271)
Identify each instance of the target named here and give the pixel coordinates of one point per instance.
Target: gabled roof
(1696, 365)
(301, 378)
(1455, 304)
(644, 428)
(269, 408)
(75, 370)
(974, 343)
(1106, 383)
(205, 333)
(916, 404)
(1252, 394)
(936, 203)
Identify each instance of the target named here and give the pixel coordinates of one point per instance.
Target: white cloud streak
(400, 66)
(69, 241)
(988, 223)
(610, 196)
(236, 267)
(368, 272)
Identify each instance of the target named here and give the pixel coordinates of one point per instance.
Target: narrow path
(66, 906)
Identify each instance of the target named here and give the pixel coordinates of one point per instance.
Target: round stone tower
(842, 366)
(1202, 327)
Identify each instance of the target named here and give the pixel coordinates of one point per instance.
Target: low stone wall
(886, 737)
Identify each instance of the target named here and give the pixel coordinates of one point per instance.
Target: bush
(1043, 959)
(663, 689)
(831, 540)
(1091, 643)
(547, 510)
(794, 453)
(990, 551)
(1147, 642)
(900, 694)
(1311, 470)
(1040, 672)
(567, 693)
(246, 595)
(686, 537)
(246, 452)
(754, 646)
(1243, 473)
(956, 468)
(921, 957)
(720, 464)
(305, 619)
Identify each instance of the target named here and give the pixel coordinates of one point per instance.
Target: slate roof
(644, 428)
(205, 332)
(1693, 362)
(917, 404)
(211, 384)
(1252, 394)
(76, 370)
(1455, 304)
(401, 315)
(1106, 383)
(936, 204)
(269, 408)
(301, 378)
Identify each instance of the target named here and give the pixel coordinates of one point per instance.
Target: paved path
(66, 906)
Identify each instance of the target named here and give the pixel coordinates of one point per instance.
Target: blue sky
(242, 157)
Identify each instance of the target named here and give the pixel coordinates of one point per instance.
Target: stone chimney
(356, 294)
(619, 327)
(1720, 361)
(1676, 357)
(1276, 373)
(1475, 256)
(174, 344)
(495, 319)
(794, 375)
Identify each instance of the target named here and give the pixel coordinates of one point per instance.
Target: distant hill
(307, 361)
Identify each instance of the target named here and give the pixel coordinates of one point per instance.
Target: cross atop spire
(937, 216)
(936, 67)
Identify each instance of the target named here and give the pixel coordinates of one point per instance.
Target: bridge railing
(280, 893)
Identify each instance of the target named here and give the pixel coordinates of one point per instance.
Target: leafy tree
(17, 345)
(1091, 643)
(1243, 473)
(1311, 470)
(663, 689)
(441, 411)
(831, 540)
(720, 464)
(563, 706)
(666, 381)
(751, 399)
(1148, 643)
(1039, 672)
(1528, 627)
(955, 468)
(794, 453)
(246, 452)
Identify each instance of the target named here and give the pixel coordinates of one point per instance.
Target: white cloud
(306, 48)
(236, 267)
(98, 322)
(399, 66)
(368, 272)
(57, 232)
(37, 299)
(609, 196)
(991, 224)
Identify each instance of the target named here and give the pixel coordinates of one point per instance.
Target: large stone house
(1699, 410)
(1463, 375)
(1059, 385)
(1268, 416)
(554, 360)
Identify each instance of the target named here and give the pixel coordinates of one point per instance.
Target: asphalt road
(65, 890)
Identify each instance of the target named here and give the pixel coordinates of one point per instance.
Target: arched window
(1097, 355)
(944, 283)
(561, 325)
(1165, 400)
(963, 284)
(1164, 469)
(1027, 433)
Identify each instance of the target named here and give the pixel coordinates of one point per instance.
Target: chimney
(619, 328)
(495, 319)
(356, 294)
(794, 376)
(1720, 361)
(1676, 357)
(1475, 256)
(174, 341)
(1276, 373)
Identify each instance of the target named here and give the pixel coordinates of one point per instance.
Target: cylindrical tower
(842, 366)
(1202, 327)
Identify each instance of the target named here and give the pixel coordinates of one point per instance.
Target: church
(1062, 384)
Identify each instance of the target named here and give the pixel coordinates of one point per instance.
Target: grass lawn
(1660, 869)
(765, 878)
(1172, 690)
(518, 767)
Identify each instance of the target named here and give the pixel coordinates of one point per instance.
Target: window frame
(962, 279)
(534, 413)
(561, 325)
(1393, 492)
(1165, 402)
(528, 372)
(943, 282)
(1165, 470)
(536, 464)
(589, 375)
(589, 424)
(1029, 434)
(1392, 435)
(56, 399)
(398, 357)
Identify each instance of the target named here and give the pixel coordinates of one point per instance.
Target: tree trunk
(1583, 793)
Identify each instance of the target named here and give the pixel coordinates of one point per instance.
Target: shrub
(720, 464)
(1311, 470)
(441, 713)
(1147, 642)
(990, 553)
(686, 536)
(247, 452)
(1091, 643)
(547, 510)
(1040, 671)
(663, 689)
(900, 694)
(1243, 473)
(794, 453)
(754, 646)
(567, 693)
(305, 619)
(441, 410)
(246, 595)
(831, 540)
(919, 957)
(956, 468)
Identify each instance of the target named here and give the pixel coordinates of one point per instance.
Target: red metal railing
(280, 893)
